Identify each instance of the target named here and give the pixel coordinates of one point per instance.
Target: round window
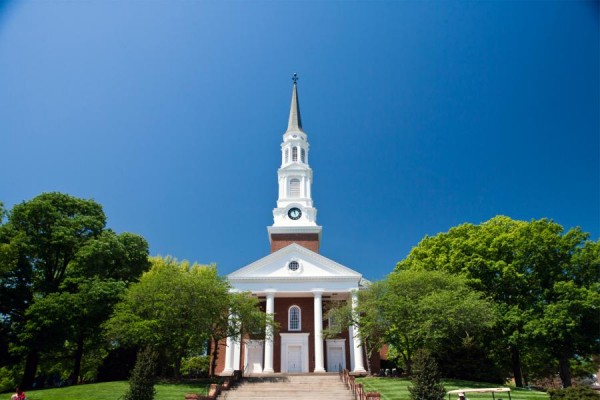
(293, 266)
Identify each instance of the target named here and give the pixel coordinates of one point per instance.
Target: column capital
(317, 292)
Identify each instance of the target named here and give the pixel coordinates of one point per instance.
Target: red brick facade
(308, 240)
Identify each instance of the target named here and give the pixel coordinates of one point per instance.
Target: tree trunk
(77, 361)
(215, 354)
(367, 352)
(177, 371)
(564, 371)
(31, 364)
(516, 365)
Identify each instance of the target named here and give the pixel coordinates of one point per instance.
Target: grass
(390, 389)
(397, 389)
(112, 391)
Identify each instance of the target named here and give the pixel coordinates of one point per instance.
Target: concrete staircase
(290, 387)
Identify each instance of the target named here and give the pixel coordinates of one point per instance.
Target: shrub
(195, 367)
(425, 378)
(8, 379)
(143, 376)
(573, 393)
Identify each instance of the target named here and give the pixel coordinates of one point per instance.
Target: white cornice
(294, 229)
(340, 271)
(296, 279)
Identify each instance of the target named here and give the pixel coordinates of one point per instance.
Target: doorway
(254, 357)
(336, 355)
(294, 358)
(294, 352)
(335, 360)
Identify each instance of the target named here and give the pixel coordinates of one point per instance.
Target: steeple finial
(295, 122)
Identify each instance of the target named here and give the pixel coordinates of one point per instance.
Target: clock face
(294, 213)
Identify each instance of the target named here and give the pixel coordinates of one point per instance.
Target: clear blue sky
(420, 115)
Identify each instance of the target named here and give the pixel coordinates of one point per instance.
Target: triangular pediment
(311, 266)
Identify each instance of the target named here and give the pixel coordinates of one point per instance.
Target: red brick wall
(308, 240)
(375, 363)
(221, 357)
(282, 305)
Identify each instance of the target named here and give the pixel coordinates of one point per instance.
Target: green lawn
(390, 389)
(397, 389)
(110, 391)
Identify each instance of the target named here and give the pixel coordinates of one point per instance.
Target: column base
(226, 372)
(317, 370)
(359, 371)
(268, 371)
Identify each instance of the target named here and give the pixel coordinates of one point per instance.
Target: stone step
(287, 387)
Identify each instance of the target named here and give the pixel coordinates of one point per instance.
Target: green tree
(428, 309)
(426, 383)
(143, 376)
(366, 317)
(518, 264)
(47, 257)
(177, 307)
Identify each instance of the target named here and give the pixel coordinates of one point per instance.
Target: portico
(297, 298)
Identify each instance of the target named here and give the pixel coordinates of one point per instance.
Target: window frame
(299, 328)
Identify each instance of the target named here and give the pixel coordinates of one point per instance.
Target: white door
(294, 359)
(254, 364)
(335, 359)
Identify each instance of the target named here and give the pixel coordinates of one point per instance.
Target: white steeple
(295, 212)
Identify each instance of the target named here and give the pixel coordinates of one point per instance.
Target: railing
(357, 389)
(214, 390)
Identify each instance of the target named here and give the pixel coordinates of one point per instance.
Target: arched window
(295, 187)
(294, 318)
(294, 154)
(302, 155)
(287, 155)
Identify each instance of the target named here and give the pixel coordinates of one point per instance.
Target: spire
(295, 122)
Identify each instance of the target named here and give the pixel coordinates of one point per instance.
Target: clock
(294, 213)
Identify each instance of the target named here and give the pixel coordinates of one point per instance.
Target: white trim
(339, 270)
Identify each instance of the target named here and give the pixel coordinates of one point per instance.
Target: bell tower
(295, 218)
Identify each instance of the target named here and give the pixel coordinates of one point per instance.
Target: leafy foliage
(426, 378)
(195, 366)
(62, 272)
(143, 376)
(178, 307)
(542, 279)
(573, 393)
(429, 310)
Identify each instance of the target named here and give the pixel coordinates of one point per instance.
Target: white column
(318, 312)
(351, 344)
(359, 366)
(229, 352)
(237, 352)
(270, 309)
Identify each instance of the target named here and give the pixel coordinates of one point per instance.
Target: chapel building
(294, 283)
